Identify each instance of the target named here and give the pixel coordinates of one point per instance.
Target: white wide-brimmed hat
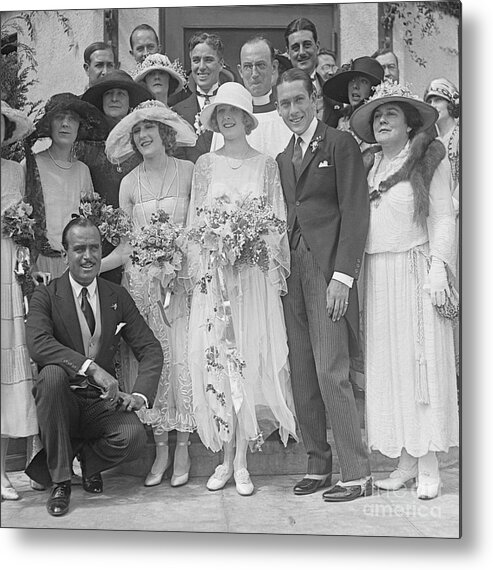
(23, 124)
(118, 143)
(159, 62)
(232, 94)
(389, 92)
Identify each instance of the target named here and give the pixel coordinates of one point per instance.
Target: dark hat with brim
(117, 79)
(336, 86)
(389, 92)
(92, 125)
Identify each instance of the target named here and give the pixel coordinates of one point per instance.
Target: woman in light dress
(238, 354)
(18, 407)
(160, 182)
(444, 96)
(55, 179)
(412, 410)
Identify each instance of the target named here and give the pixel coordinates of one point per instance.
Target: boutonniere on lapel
(315, 142)
(114, 306)
(199, 127)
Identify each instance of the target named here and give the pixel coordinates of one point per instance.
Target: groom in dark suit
(325, 189)
(73, 329)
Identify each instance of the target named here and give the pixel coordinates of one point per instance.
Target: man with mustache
(73, 329)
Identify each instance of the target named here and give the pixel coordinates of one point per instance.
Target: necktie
(297, 158)
(87, 310)
(206, 96)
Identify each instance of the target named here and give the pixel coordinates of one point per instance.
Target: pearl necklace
(242, 160)
(59, 165)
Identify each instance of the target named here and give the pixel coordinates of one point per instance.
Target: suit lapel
(66, 307)
(310, 154)
(108, 305)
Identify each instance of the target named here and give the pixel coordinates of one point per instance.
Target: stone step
(273, 459)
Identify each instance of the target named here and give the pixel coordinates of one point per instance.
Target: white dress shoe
(9, 494)
(179, 480)
(219, 478)
(244, 484)
(396, 480)
(428, 487)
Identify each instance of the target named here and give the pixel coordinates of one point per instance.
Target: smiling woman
(160, 182)
(55, 179)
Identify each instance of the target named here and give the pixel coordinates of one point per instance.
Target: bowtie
(206, 96)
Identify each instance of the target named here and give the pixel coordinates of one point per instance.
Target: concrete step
(273, 459)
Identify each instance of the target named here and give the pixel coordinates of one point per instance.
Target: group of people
(365, 176)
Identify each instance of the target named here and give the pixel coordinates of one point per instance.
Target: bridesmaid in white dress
(160, 182)
(412, 410)
(238, 351)
(18, 407)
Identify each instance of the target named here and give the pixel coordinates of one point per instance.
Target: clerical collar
(211, 93)
(263, 99)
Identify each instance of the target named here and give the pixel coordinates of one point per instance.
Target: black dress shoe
(307, 486)
(92, 484)
(59, 500)
(340, 494)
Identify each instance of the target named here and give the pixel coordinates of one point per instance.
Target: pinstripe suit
(79, 420)
(328, 204)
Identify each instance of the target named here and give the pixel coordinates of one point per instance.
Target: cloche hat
(389, 92)
(23, 124)
(336, 86)
(119, 145)
(443, 88)
(232, 94)
(92, 122)
(117, 79)
(160, 62)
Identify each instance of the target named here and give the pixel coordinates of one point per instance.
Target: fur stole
(425, 154)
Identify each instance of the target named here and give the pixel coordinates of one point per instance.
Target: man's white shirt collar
(77, 287)
(307, 136)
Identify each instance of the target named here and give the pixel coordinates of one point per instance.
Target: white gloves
(439, 289)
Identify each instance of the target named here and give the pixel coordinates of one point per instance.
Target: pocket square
(119, 327)
(323, 164)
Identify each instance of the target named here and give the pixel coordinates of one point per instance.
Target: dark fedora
(336, 86)
(92, 125)
(117, 79)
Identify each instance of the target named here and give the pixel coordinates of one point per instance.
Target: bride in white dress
(238, 353)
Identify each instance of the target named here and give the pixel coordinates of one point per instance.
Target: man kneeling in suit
(73, 329)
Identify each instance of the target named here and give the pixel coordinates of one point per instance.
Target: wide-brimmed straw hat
(23, 124)
(443, 88)
(232, 94)
(336, 86)
(160, 62)
(389, 92)
(117, 79)
(119, 142)
(92, 125)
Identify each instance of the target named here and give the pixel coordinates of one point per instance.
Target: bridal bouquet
(236, 235)
(158, 247)
(113, 223)
(18, 225)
